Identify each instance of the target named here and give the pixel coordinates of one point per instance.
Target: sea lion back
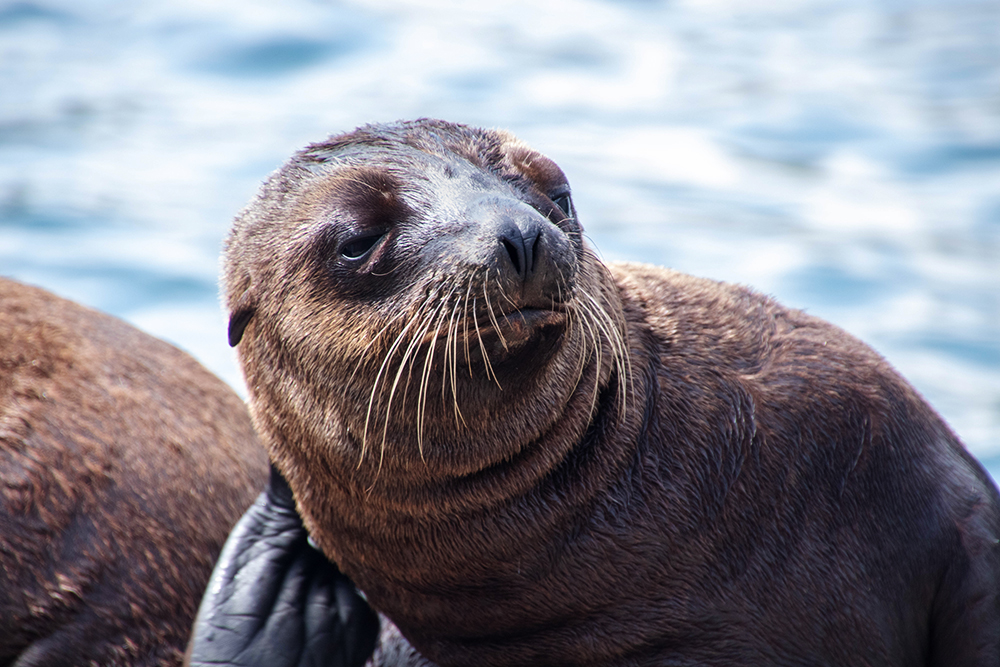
(123, 465)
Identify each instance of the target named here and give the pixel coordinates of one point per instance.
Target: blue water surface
(842, 155)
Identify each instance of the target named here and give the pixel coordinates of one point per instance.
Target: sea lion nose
(520, 238)
(526, 256)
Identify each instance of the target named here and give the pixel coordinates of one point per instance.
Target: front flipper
(275, 601)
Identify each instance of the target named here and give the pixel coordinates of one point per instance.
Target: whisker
(583, 353)
(407, 355)
(489, 307)
(453, 337)
(422, 395)
(449, 352)
(482, 347)
(450, 349)
(363, 358)
(616, 322)
(598, 353)
(503, 293)
(465, 321)
(606, 326)
(371, 400)
(391, 271)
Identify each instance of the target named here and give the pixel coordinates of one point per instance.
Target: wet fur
(123, 465)
(683, 472)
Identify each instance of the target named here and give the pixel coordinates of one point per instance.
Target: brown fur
(123, 465)
(741, 484)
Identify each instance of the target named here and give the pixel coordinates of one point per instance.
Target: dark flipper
(275, 601)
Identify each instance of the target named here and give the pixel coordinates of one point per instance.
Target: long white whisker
(595, 340)
(453, 337)
(378, 376)
(482, 347)
(408, 354)
(363, 358)
(604, 326)
(489, 308)
(465, 322)
(422, 396)
(623, 362)
(503, 293)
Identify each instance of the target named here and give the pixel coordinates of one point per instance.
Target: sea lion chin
(524, 456)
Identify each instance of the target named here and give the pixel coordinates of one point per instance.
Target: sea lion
(525, 456)
(123, 466)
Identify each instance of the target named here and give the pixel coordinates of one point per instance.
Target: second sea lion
(123, 465)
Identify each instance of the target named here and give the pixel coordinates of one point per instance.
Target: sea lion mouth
(508, 329)
(520, 326)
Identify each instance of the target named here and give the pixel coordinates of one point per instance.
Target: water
(842, 155)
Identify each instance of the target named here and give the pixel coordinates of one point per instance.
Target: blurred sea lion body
(123, 466)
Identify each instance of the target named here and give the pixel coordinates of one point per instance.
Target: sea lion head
(415, 302)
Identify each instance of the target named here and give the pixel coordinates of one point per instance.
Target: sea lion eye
(360, 246)
(563, 202)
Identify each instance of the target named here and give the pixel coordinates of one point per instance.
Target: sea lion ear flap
(240, 317)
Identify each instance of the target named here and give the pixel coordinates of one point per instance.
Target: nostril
(515, 254)
(533, 255)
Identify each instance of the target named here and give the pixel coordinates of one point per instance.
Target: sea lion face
(410, 287)
(458, 245)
